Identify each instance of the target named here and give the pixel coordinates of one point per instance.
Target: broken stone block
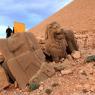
(76, 54)
(67, 63)
(23, 67)
(46, 71)
(23, 56)
(66, 72)
(59, 67)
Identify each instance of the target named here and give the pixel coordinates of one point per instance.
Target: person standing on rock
(8, 32)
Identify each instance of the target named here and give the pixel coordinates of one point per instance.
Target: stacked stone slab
(23, 56)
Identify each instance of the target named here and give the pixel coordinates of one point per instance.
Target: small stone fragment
(65, 72)
(41, 88)
(83, 72)
(76, 54)
(59, 67)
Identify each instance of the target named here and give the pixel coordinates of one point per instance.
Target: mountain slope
(78, 15)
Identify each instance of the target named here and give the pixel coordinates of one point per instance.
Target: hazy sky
(30, 12)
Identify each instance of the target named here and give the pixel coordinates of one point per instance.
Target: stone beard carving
(59, 42)
(55, 42)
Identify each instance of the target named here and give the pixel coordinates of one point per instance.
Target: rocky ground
(77, 78)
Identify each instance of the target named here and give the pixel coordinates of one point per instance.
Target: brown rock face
(55, 42)
(59, 42)
(23, 56)
(78, 16)
(3, 79)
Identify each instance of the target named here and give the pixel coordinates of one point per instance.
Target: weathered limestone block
(43, 73)
(23, 56)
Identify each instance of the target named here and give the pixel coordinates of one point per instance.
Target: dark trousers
(8, 35)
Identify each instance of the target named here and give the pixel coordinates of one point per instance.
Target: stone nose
(58, 31)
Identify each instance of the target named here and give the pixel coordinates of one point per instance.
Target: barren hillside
(78, 16)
